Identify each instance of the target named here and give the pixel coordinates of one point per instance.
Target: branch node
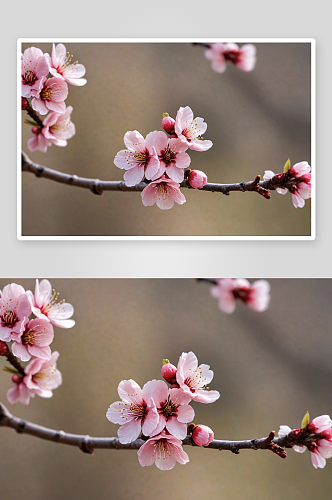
(235, 449)
(86, 445)
(254, 444)
(39, 171)
(96, 188)
(20, 426)
(72, 179)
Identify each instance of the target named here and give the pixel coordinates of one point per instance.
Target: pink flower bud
(327, 434)
(35, 129)
(306, 178)
(197, 179)
(168, 124)
(17, 379)
(24, 103)
(202, 435)
(3, 348)
(168, 371)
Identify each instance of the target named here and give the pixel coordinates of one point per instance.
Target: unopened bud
(197, 179)
(35, 129)
(305, 178)
(202, 435)
(3, 348)
(17, 379)
(24, 103)
(327, 434)
(168, 123)
(168, 371)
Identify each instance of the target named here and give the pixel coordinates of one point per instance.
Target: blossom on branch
(52, 95)
(33, 340)
(41, 378)
(15, 308)
(44, 305)
(136, 412)
(255, 295)
(190, 130)
(140, 159)
(164, 192)
(164, 450)
(61, 66)
(34, 67)
(193, 379)
(219, 53)
(300, 191)
(172, 157)
(321, 449)
(57, 128)
(173, 410)
(197, 179)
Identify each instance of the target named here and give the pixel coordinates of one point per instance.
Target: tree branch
(98, 187)
(87, 443)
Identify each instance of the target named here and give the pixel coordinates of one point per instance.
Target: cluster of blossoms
(31, 337)
(255, 295)
(321, 449)
(44, 82)
(243, 57)
(161, 413)
(162, 160)
(300, 191)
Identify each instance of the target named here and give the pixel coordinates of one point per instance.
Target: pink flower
(56, 129)
(44, 305)
(53, 93)
(197, 179)
(41, 378)
(14, 309)
(136, 412)
(164, 450)
(300, 191)
(255, 295)
(322, 448)
(193, 379)
(219, 53)
(189, 130)
(38, 141)
(34, 67)
(173, 409)
(34, 340)
(164, 192)
(168, 124)
(139, 159)
(172, 157)
(202, 435)
(61, 66)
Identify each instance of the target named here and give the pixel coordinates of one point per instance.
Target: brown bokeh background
(270, 368)
(255, 120)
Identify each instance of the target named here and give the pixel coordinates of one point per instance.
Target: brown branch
(13, 360)
(87, 443)
(31, 112)
(98, 187)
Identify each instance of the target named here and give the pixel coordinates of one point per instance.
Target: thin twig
(87, 443)
(98, 186)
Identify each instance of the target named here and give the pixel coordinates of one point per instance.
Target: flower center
(242, 294)
(139, 411)
(167, 156)
(29, 77)
(65, 62)
(141, 157)
(168, 408)
(51, 301)
(8, 318)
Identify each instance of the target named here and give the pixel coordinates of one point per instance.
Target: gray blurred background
(255, 120)
(270, 368)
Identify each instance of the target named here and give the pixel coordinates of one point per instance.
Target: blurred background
(255, 120)
(270, 368)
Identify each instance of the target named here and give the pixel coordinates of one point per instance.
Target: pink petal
(129, 432)
(134, 176)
